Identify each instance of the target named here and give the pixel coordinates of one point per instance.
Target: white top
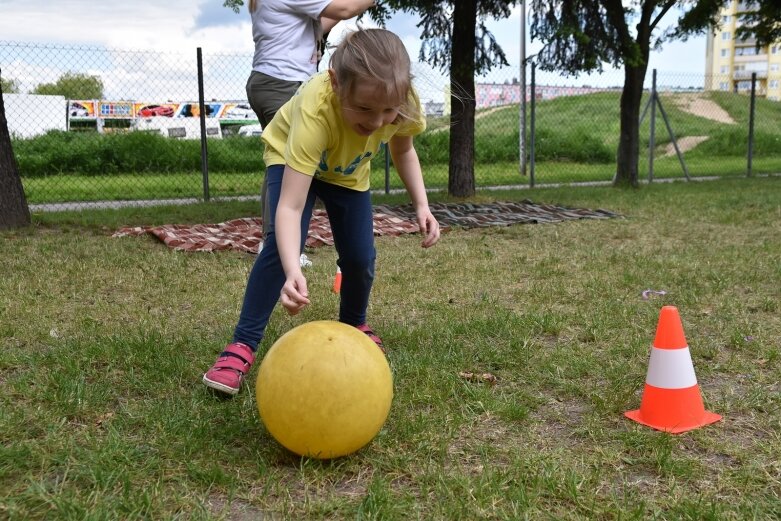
(286, 35)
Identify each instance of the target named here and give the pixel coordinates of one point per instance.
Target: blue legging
(350, 214)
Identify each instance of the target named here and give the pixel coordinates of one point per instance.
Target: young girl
(319, 145)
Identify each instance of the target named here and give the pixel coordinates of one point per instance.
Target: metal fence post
(387, 169)
(652, 137)
(532, 129)
(751, 122)
(204, 151)
(522, 135)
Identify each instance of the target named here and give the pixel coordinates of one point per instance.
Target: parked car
(251, 130)
(240, 111)
(156, 110)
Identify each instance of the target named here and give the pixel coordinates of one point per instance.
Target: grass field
(103, 415)
(130, 187)
(575, 141)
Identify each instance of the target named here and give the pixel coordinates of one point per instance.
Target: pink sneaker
(372, 335)
(230, 368)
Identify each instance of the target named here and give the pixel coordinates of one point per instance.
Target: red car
(156, 110)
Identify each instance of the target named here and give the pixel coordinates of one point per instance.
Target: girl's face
(366, 110)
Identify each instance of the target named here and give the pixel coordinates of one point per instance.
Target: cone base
(707, 418)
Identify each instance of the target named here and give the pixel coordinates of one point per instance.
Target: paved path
(141, 203)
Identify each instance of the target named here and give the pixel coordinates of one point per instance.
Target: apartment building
(730, 61)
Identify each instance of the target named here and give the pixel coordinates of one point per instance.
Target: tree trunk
(14, 211)
(461, 175)
(629, 140)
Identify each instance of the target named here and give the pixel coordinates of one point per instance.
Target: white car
(251, 130)
(240, 111)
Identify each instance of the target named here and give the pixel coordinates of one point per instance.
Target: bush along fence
(115, 125)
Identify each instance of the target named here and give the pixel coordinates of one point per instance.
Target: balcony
(760, 91)
(746, 75)
(748, 42)
(750, 58)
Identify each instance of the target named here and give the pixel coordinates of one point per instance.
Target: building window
(773, 84)
(774, 67)
(725, 19)
(724, 69)
(725, 35)
(774, 49)
(724, 85)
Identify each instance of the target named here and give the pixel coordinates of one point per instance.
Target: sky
(175, 28)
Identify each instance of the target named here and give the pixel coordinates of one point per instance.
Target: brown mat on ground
(247, 234)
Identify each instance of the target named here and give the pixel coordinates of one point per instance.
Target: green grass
(103, 415)
(575, 141)
(70, 188)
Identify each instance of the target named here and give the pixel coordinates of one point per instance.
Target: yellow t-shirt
(309, 135)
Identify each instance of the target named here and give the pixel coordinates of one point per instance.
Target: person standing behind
(287, 36)
(320, 145)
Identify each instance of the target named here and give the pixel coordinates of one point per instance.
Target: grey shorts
(267, 94)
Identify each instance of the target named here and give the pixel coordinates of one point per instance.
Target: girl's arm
(405, 159)
(295, 186)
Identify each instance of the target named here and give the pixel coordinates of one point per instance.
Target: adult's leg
(267, 276)
(266, 96)
(352, 224)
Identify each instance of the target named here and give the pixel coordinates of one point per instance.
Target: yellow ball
(324, 389)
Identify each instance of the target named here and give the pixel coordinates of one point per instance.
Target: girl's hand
(294, 295)
(429, 227)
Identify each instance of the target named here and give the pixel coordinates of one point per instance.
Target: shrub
(60, 152)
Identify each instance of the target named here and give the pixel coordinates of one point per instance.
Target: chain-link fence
(94, 124)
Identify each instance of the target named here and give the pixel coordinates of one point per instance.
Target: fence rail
(123, 132)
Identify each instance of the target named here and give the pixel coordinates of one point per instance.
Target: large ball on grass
(324, 389)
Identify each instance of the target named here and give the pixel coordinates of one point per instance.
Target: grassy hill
(566, 125)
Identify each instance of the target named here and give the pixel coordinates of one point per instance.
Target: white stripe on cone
(671, 369)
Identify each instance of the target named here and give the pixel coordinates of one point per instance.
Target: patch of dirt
(464, 451)
(685, 144)
(237, 510)
(702, 107)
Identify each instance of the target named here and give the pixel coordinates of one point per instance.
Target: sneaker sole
(217, 386)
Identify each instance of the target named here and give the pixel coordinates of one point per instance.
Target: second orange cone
(337, 287)
(671, 397)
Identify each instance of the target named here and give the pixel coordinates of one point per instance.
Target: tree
(9, 86)
(762, 23)
(455, 37)
(73, 86)
(14, 211)
(582, 35)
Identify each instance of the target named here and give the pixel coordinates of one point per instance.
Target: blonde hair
(377, 56)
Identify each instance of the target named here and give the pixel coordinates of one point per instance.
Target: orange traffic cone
(671, 398)
(337, 281)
